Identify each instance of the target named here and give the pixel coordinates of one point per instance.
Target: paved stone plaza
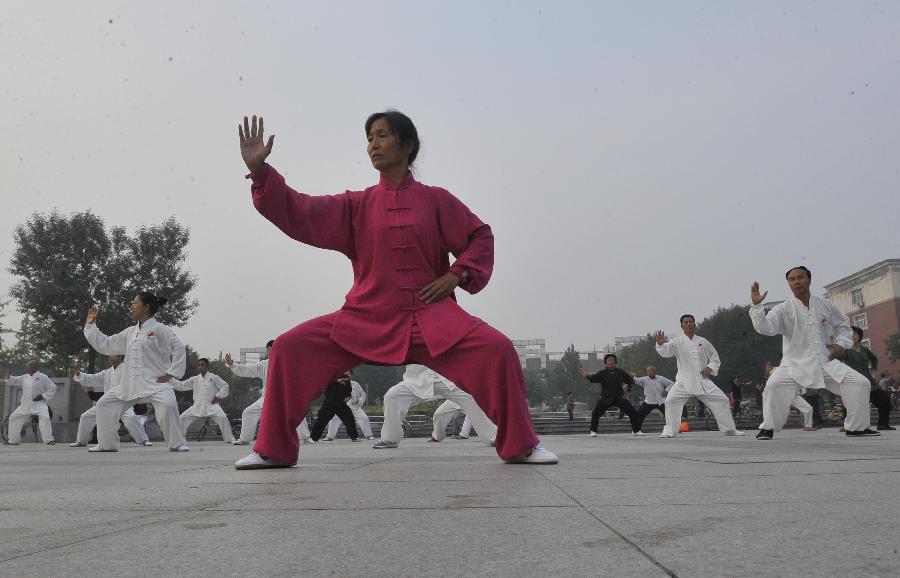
(805, 504)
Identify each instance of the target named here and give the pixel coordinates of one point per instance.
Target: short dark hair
(204, 360)
(808, 272)
(152, 301)
(681, 320)
(608, 355)
(857, 330)
(270, 343)
(402, 126)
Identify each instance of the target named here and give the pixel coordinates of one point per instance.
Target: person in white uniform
(209, 390)
(37, 389)
(446, 412)
(697, 361)
(356, 401)
(814, 332)
(154, 355)
(655, 391)
(422, 384)
(250, 415)
(106, 380)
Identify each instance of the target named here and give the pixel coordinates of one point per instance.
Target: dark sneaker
(765, 434)
(865, 432)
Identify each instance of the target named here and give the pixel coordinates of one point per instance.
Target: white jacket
(105, 380)
(150, 351)
(258, 369)
(807, 333)
(693, 356)
(206, 388)
(33, 386)
(421, 380)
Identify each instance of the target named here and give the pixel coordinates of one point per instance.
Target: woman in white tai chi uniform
(153, 356)
(209, 390)
(37, 388)
(422, 384)
(105, 381)
(250, 415)
(355, 403)
(697, 361)
(814, 332)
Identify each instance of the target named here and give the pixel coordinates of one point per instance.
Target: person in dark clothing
(812, 398)
(861, 359)
(611, 380)
(334, 403)
(735, 394)
(570, 406)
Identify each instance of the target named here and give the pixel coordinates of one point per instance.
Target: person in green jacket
(861, 359)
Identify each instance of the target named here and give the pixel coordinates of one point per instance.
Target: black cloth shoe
(865, 432)
(765, 434)
(886, 428)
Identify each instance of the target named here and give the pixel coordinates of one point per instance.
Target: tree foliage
(64, 264)
(893, 346)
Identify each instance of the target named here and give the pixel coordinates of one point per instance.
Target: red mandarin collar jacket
(397, 238)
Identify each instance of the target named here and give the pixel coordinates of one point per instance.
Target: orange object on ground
(683, 428)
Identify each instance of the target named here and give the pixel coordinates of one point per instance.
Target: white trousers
(21, 415)
(131, 421)
(448, 410)
(110, 409)
(398, 399)
(213, 411)
(362, 423)
(466, 429)
(781, 390)
(804, 408)
(250, 419)
(712, 397)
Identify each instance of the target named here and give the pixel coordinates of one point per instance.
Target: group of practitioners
(399, 235)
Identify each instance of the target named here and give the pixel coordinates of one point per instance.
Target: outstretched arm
(764, 324)
(107, 345)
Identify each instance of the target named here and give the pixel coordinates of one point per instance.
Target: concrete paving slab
(700, 505)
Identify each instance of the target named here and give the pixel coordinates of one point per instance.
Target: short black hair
(681, 320)
(857, 331)
(402, 126)
(808, 272)
(608, 355)
(152, 301)
(204, 360)
(270, 343)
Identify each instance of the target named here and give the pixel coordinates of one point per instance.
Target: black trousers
(328, 411)
(645, 410)
(619, 402)
(813, 400)
(571, 411)
(881, 400)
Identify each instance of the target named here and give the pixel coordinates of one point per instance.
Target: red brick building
(871, 299)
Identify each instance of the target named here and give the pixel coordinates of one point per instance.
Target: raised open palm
(253, 150)
(755, 296)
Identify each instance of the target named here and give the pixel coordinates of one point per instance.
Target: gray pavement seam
(620, 535)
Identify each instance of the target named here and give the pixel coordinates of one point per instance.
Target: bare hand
(661, 338)
(38, 398)
(582, 371)
(707, 371)
(91, 315)
(164, 378)
(87, 389)
(77, 368)
(228, 360)
(216, 400)
(836, 350)
(253, 150)
(439, 288)
(755, 297)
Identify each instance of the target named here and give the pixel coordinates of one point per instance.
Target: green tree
(64, 264)
(378, 379)
(893, 346)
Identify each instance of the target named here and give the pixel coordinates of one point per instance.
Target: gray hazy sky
(636, 160)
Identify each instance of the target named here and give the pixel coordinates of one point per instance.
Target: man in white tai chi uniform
(446, 412)
(209, 390)
(655, 388)
(37, 388)
(814, 332)
(355, 403)
(106, 380)
(250, 415)
(422, 384)
(697, 361)
(154, 355)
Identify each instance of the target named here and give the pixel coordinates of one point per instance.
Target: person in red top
(401, 309)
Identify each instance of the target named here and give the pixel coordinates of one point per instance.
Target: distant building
(870, 298)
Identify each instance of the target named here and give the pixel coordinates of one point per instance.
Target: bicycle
(835, 415)
(4, 429)
(745, 414)
(205, 428)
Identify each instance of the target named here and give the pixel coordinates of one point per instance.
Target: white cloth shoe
(181, 448)
(593, 434)
(665, 435)
(77, 445)
(254, 461)
(147, 443)
(97, 449)
(734, 433)
(637, 433)
(538, 455)
(239, 443)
